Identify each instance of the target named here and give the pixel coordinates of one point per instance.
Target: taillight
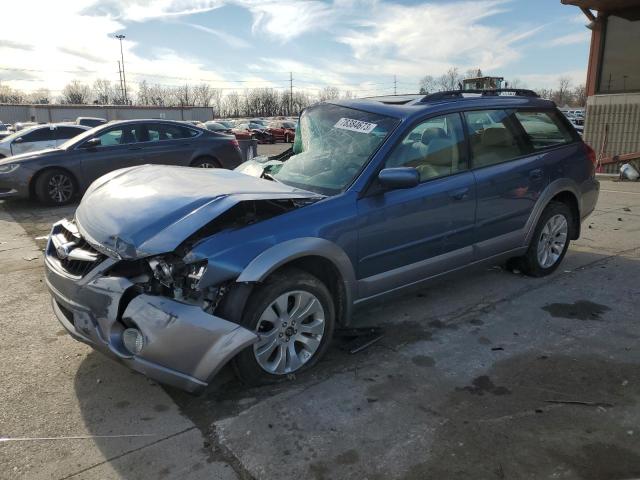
(591, 155)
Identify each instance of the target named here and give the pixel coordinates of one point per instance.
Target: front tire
(55, 187)
(549, 243)
(294, 315)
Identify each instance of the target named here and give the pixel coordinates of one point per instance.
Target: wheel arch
(319, 257)
(563, 190)
(42, 171)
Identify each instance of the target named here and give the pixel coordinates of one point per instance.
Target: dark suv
(174, 273)
(56, 175)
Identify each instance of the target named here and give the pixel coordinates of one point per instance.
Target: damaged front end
(148, 314)
(144, 296)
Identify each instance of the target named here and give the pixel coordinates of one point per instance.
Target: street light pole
(124, 78)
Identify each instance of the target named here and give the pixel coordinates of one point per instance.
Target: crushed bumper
(184, 346)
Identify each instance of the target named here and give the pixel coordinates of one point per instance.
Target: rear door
(37, 139)
(120, 147)
(410, 234)
(169, 144)
(509, 176)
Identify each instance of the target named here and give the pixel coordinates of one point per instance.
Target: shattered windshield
(332, 145)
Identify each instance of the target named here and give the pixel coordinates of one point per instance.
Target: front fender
(278, 255)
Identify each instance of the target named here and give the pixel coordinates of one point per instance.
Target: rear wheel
(287, 138)
(549, 243)
(206, 162)
(293, 314)
(55, 187)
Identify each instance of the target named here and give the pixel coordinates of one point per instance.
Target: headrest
(431, 133)
(496, 137)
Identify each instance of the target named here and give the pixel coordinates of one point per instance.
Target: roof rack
(457, 94)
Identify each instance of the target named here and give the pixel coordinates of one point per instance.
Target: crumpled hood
(148, 210)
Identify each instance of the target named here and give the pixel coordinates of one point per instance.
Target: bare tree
(427, 84)
(473, 73)
(216, 99)
(11, 95)
(103, 92)
(232, 105)
(183, 96)
(328, 93)
(562, 96)
(76, 93)
(516, 83)
(202, 95)
(40, 96)
(580, 95)
(450, 80)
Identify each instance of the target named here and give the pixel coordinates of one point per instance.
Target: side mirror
(399, 177)
(92, 143)
(18, 140)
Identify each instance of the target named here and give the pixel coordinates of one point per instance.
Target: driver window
(434, 148)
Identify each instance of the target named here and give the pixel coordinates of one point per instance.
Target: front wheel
(294, 316)
(549, 243)
(55, 187)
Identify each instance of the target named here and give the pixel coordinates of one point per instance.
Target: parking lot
(490, 374)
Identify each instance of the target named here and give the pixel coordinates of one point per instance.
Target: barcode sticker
(355, 125)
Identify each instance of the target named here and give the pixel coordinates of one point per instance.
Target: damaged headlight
(181, 279)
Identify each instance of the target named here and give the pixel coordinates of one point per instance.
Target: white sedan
(39, 137)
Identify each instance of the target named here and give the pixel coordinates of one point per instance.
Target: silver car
(39, 137)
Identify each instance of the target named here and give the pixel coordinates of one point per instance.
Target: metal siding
(621, 114)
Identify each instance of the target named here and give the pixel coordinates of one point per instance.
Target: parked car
(90, 121)
(57, 175)
(255, 130)
(218, 127)
(282, 131)
(39, 137)
(22, 125)
(4, 130)
(174, 272)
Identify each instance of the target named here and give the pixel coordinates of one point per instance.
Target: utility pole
(120, 75)
(290, 93)
(124, 78)
(395, 85)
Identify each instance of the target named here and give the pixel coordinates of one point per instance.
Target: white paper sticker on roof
(355, 125)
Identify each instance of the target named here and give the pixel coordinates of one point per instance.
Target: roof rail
(457, 94)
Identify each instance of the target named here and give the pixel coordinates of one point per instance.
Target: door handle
(459, 194)
(536, 174)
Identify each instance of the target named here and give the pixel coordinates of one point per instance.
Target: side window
(495, 137)
(159, 131)
(123, 135)
(65, 133)
(544, 129)
(39, 135)
(434, 147)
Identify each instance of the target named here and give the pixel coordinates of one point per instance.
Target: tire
(555, 223)
(272, 139)
(55, 187)
(287, 138)
(283, 350)
(206, 162)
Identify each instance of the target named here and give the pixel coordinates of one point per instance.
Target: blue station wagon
(176, 271)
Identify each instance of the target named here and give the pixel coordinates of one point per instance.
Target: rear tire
(287, 139)
(206, 162)
(294, 313)
(55, 187)
(549, 243)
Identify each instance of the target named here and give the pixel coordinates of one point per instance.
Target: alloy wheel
(290, 330)
(553, 239)
(60, 188)
(206, 165)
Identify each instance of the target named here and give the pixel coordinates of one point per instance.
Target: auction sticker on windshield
(355, 125)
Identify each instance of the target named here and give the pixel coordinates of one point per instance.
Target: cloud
(570, 39)
(143, 10)
(227, 38)
(15, 45)
(82, 53)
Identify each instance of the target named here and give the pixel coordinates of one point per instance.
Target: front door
(411, 234)
(120, 147)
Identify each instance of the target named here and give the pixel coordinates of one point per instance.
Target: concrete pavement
(488, 374)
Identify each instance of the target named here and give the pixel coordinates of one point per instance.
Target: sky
(357, 45)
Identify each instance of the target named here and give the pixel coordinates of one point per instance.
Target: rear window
(64, 133)
(544, 129)
(168, 132)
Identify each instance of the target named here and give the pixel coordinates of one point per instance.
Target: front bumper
(15, 184)
(184, 346)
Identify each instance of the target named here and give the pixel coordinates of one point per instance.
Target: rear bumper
(590, 194)
(184, 346)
